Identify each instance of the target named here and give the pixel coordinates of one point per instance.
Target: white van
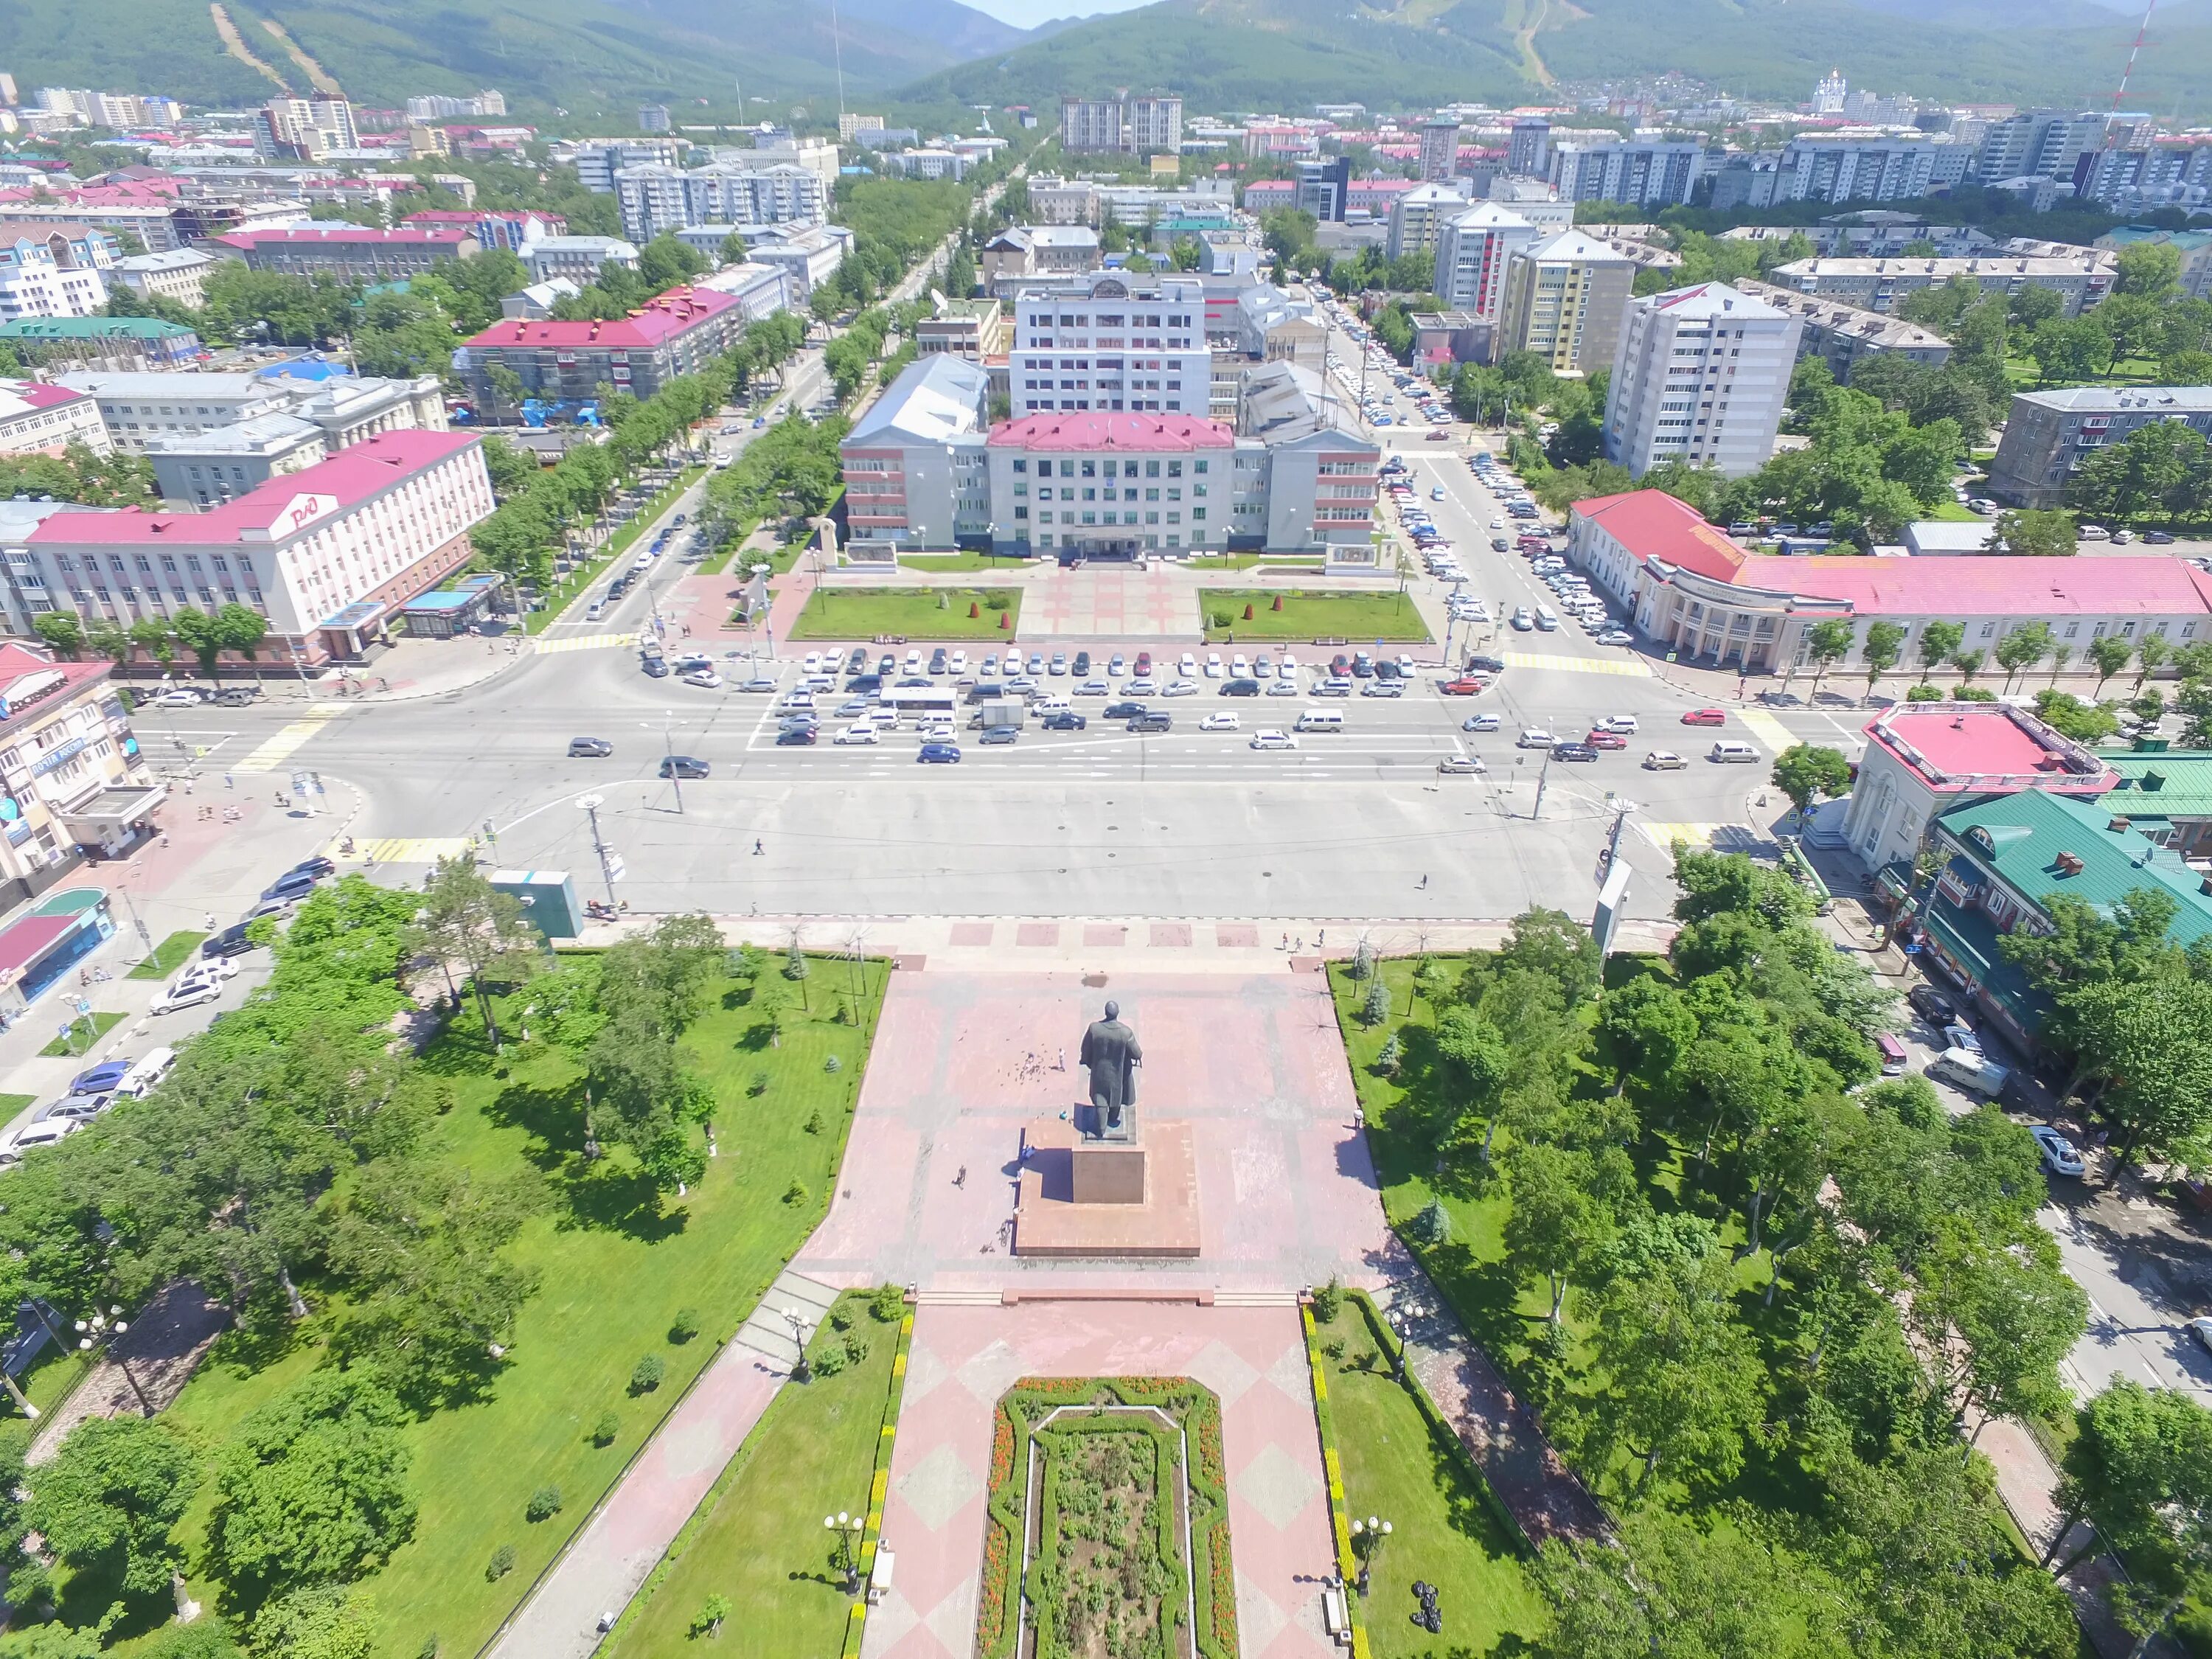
(1051, 705)
(1321, 720)
(1547, 620)
(1965, 1069)
(1733, 754)
(154, 1065)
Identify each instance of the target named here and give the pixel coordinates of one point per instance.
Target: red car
(1464, 687)
(1705, 717)
(1340, 665)
(1606, 740)
(1144, 663)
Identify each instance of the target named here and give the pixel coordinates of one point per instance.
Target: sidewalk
(1098, 944)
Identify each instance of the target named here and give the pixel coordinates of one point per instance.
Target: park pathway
(1545, 1498)
(595, 1577)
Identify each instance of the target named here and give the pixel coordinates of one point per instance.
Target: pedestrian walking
(209, 925)
(1063, 1061)
(757, 847)
(1425, 881)
(228, 782)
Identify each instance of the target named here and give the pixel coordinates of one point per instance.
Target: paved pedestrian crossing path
(1702, 837)
(287, 740)
(399, 849)
(585, 643)
(1626, 667)
(1771, 733)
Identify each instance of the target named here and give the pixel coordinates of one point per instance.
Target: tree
(1827, 643)
(62, 630)
(327, 1622)
(241, 629)
(2148, 1044)
(2000, 1313)
(1938, 639)
(313, 1488)
(2034, 535)
(110, 1497)
(664, 262)
(1552, 943)
(2149, 269)
(1883, 645)
(2069, 715)
(1559, 1219)
(2108, 654)
(108, 638)
(2067, 348)
(154, 636)
(465, 921)
(2133, 1449)
(201, 635)
(2022, 647)
(1805, 772)
(1650, 1028)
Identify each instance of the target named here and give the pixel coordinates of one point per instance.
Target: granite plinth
(1107, 1172)
(1051, 1221)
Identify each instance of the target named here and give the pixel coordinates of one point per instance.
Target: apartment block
(2049, 434)
(1473, 250)
(599, 159)
(1563, 301)
(567, 363)
(1419, 215)
(1439, 148)
(1843, 336)
(1141, 125)
(1645, 174)
(658, 198)
(49, 269)
(2080, 280)
(1886, 169)
(1701, 374)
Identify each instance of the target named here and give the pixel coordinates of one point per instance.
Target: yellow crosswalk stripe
(286, 740)
(1630, 667)
(1768, 730)
(585, 643)
(1717, 837)
(399, 849)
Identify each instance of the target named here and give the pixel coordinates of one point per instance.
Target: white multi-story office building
(1473, 250)
(577, 258)
(1646, 174)
(1154, 124)
(1701, 374)
(1110, 342)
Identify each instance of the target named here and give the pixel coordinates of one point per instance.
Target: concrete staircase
(767, 1331)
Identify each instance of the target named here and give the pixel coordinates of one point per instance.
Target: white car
(705, 679)
(1479, 723)
(1532, 737)
(795, 700)
(812, 664)
(188, 990)
(1219, 723)
(959, 664)
(858, 734)
(1272, 739)
(1461, 765)
(1497, 524)
(1616, 637)
(1213, 665)
(1625, 724)
(1262, 668)
(1664, 760)
(44, 1133)
(913, 662)
(1286, 667)
(934, 731)
(183, 696)
(1238, 669)
(1188, 667)
(1175, 688)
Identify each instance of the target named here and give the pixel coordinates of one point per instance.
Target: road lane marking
(587, 642)
(1768, 730)
(1631, 667)
(287, 740)
(400, 849)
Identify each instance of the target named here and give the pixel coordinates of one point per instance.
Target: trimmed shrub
(645, 1375)
(544, 1504)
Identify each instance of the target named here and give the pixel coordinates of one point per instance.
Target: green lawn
(1954, 512)
(168, 956)
(937, 564)
(1360, 619)
(1443, 1529)
(862, 613)
(758, 1538)
(616, 1266)
(11, 1104)
(88, 1029)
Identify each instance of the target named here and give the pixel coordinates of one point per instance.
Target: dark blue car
(938, 754)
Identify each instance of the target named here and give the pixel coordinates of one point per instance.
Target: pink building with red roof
(326, 554)
(1691, 589)
(351, 251)
(672, 334)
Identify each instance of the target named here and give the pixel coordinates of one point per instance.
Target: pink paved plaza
(963, 1358)
(1286, 1193)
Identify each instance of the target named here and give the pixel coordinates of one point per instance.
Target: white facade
(49, 272)
(1887, 169)
(1648, 174)
(35, 416)
(1700, 374)
(1473, 252)
(599, 159)
(1418, 218)
(1110, 342)
(658, 198)
(577, 258)
(180, 274)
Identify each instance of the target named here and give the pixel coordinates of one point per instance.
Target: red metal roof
(1651, 524)
(27, 940)
(1096, 430)
(354, 475)
(674, 313)
(1991, 585)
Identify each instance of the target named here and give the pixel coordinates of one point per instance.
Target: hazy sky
(1028, 13)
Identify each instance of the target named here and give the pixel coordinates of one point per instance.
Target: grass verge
(85, 1031)
(616, 1263)
(862, 613)
(1359, 618)
(757, 1537)
(168, 956)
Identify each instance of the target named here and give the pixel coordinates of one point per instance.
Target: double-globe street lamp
(845, 1527)
(1367, 1542)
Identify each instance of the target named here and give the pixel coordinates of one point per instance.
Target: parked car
(230, 942)
(1932, 1006)
(2060, 1156)
(99, 1079)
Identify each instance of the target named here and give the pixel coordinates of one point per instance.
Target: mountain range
(596, 59)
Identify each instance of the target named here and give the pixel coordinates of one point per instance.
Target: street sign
(614, 867)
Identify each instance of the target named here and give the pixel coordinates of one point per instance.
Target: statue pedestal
(1082, 1198)
(1107, 1172)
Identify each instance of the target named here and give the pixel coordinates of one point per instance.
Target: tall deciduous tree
(111, 1499)
(467, 923)
(1805, 772)
(1938, 639)
(1827, 644)
(2022, 647)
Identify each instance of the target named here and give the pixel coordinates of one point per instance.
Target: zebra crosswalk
(1703, 837)
(399, 849)
(1771, 733)
(287, 740)
(1627, 667)
(585, 643)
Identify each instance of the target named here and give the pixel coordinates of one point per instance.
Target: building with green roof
(2005, 859)
(2167, 794)
(113, 342)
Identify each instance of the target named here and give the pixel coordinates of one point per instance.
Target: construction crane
(2134, 51)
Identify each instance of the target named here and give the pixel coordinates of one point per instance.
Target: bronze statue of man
(1111, 1054)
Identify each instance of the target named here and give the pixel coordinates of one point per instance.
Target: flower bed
(1109, 1553)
